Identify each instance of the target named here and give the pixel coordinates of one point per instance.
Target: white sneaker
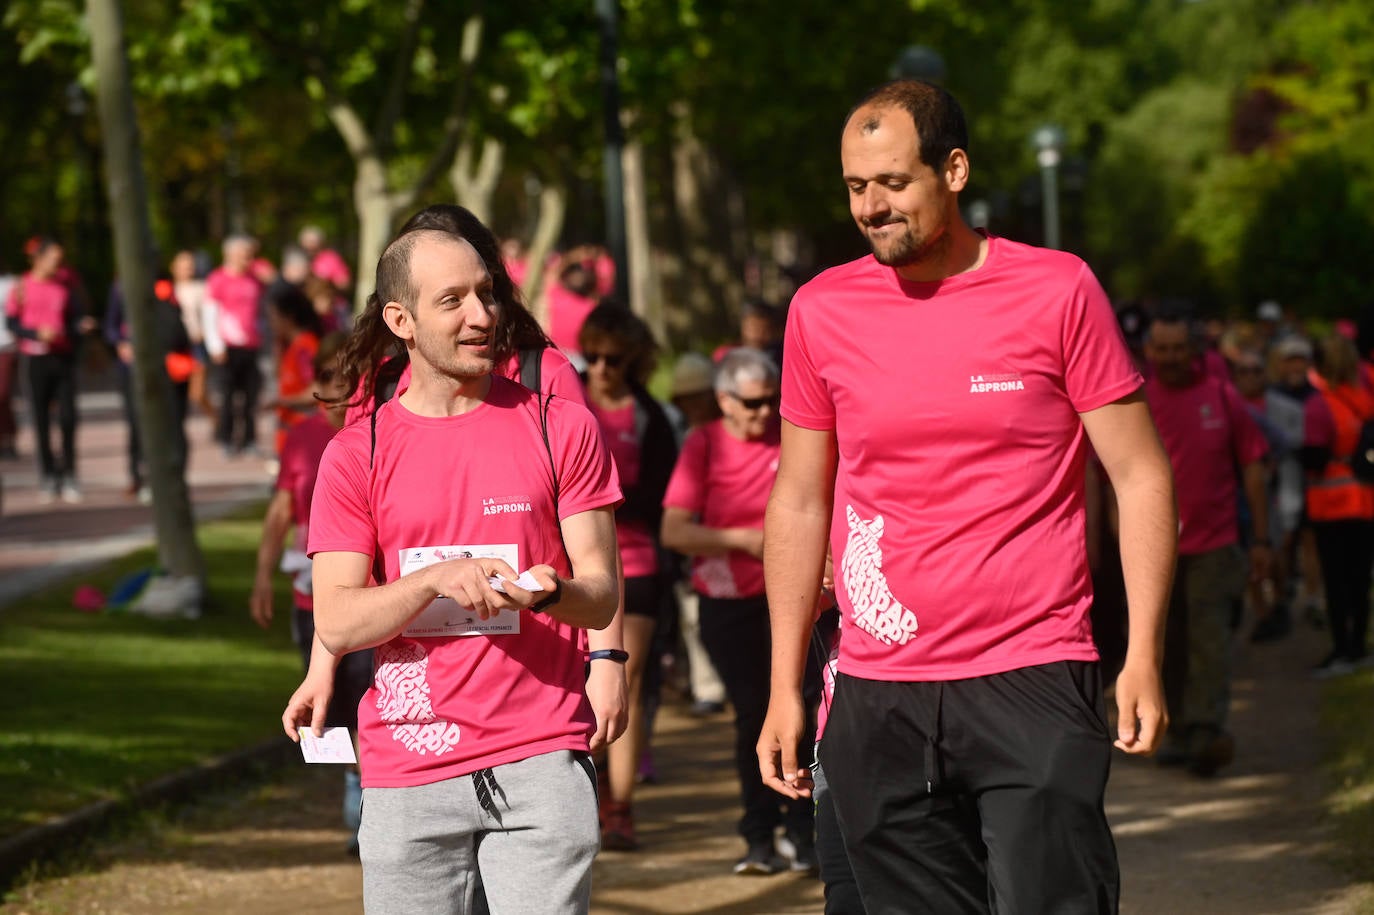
(145, 495)
(71, 494)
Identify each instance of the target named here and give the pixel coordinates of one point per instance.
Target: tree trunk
(164, 452)
(373, 204)
(644, 300)
(474, 184)
(553, 206)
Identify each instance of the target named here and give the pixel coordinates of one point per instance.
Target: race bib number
(445, 617)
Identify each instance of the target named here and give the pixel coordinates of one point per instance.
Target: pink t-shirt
(40, 305)
(638, 552)
(959, 528)
(300, 463)
(329, 265)
(567, 311)
(725, 482)
(556, 376)
(238, 298)
(447, 706)
(1207, 432)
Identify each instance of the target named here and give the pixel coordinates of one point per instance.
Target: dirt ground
(1251, 841)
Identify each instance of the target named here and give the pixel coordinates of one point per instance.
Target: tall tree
(166, 456)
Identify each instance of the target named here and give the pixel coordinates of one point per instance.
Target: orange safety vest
(1337, 495)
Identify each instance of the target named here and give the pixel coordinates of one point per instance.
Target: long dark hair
(374, 359)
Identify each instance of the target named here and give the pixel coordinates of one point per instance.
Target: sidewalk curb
(63, 834)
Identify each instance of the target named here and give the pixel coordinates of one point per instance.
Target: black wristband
(551, 598)
(609, 654)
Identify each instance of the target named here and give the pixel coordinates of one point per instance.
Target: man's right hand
(777, 746)
(308, 706)
(467, 582)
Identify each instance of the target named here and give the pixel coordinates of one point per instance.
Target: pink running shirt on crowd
(556, 376)
(238, 298)
(328, 265)
(638, 549)
(567, 311)
(448, 706)
(40, 305)
(300, 463)
(958, 528)
(725, 481)
(1207, 432)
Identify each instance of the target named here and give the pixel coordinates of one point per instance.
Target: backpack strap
(532, 368)
(544, 401)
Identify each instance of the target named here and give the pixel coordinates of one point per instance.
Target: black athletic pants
(1346, 549)
(238, 411)
(52, 377)
(979, 795)
(736, 635)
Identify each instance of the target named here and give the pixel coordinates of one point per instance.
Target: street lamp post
(1048, 141)
(606, 12)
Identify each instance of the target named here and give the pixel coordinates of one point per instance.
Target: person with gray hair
(713, 512)
(233, 337)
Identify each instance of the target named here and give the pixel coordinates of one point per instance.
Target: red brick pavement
(42, 543)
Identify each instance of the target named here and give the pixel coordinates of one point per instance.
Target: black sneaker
(760, 861)
(1333, 665)
(803, 857)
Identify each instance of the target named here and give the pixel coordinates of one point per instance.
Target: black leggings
(53, 377)
(736, 635)
(1346, 549)
(238, 411)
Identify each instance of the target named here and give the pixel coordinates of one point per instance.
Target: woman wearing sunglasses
(618, 349)
(713, 511)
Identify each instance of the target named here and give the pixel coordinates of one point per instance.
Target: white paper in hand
(336, 746)
(526, 581)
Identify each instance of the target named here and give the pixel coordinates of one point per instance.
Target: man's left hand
(607, 693)
(1142, 717)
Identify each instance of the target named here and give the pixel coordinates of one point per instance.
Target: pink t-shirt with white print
(238, 298)
(638, 549)
(725, 482)
(450, 705)
(958, 531)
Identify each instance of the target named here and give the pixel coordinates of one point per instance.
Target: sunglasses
(756, 403)
(612, 360)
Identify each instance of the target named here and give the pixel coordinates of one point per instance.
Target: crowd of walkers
(496, 534)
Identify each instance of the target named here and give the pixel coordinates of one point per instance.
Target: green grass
(97, 704)
(1348, 721)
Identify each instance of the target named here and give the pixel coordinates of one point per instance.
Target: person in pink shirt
(938, 400)
(325, 262)
(1208, 434)
(474, 572)
(288, 516)
(713, 511)
(618, 348)
(233, 337)
(44, 312)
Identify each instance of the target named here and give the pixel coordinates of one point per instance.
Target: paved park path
(1251, 841)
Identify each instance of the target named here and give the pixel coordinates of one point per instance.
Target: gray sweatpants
(528, 827)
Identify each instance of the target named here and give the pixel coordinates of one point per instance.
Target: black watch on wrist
(549, 599)
(609, 654)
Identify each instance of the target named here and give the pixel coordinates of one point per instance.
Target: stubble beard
(906, 249)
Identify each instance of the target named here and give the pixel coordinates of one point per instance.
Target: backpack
(1361, 460)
